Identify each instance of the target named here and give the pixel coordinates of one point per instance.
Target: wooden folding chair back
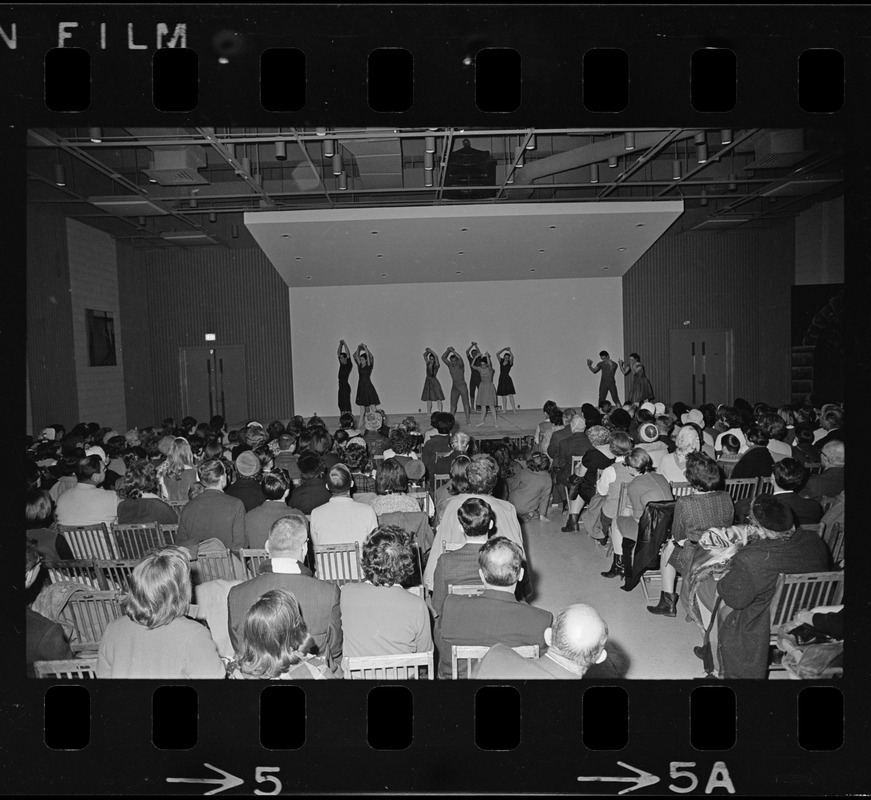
(215, 566)
(440, 480)
(178, 506)
(467, 589)
(89, 541)
(78, 570)
(115, 575)
(169, 533)
(90, 614)
(813, 527)
(681, 489)
(418, 590)
(576, 464)
(741, 488)
(134, 541)
(813, 468)
(67, 669)
(833, 536)
(765, 486)
(400, 667)
(339, 563)
(251, 561)
(803, 591)
(827, 503)
(423, 501)
(471, 654)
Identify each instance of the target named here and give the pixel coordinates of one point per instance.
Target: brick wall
(93, 267)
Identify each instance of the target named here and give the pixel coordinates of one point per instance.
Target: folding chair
(178, 506)
(813, 468)
(79, 571)
(215, 566)
(90, 614)
(833, 536)
(89, 541)
(470, 654)
(827, 503)
(134, 541)
(466, 589)
(681, 489)
(169, 533)
(114, 575)
(70, 668)
(251, 561)
(400, 667)
(741, 488)
(339, 563)
(440, 480)
(576, 464)
(766, 485)
(801, 592)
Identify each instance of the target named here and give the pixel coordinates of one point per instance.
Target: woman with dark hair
(178, 472)
(486, 391)
(391, 489)
(639, 387)
(274, 429)
(276, 644)
(321, 443)
(432, 389)
(505, 389)
(458, 484)
(501, 454)
(40, 525)
(345, 367)
(756, 461)
(729, 421)
(707, 507)
(729, 456)
(646, 486)
(557, 423)
(142, 505)
(367, 398)
(379, 616)
(154, 639)
(356, 457)
(543, 426)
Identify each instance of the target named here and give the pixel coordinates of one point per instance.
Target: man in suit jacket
(788, 475)
(569, 414)
(460, 567)
(212, 514)
(312, 491)
(318, 600)
(830, 482)
(575, 643)
(575, 444)
(494, 617)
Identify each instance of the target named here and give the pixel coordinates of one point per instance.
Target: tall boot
(571, 524)
(616, 568)
(667, 605)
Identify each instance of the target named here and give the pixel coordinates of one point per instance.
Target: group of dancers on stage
(640, 389)
(480, 389)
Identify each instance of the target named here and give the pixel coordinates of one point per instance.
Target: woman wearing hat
(639, 387)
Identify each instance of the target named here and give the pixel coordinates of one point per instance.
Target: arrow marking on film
(227, 782)
(640, 779)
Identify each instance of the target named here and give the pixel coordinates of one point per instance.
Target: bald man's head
(500, 562)
(834, 453)
(579, 634)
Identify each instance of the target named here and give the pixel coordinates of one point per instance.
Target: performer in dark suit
(345, 367)
(494, 617)
(472, 353)
(319, 601)
(608, 368)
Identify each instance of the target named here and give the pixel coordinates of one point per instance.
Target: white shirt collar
(285, 566)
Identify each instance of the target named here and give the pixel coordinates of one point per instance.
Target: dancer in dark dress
(345, 367)
(432, 389)
(367, 397)
(472, 353)
(608, 369)
(459, 387)
(505, 388)
(640, 388)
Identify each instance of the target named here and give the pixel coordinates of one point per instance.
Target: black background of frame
(337, 39)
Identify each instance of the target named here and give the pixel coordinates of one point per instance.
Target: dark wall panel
(237, 295)
(50, 356)
(738, 280)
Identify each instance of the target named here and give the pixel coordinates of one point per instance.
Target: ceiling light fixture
(213, 217)
(193, 203)
(518, 157)
(95, 135)
(321, 131)
(704, 197)
(430, 144)
(629, 140)
(510, 178)
(427, 178)
(141, 221)
(530, 145)
(675, 170)
(234, 231)
(612, 161)
(733, 182)
(337, 163)
(725, 136)
(281, 151)
(329, 147)
(343, 180)
(59, 175)
(594, 173)
(701, 148)
(428, 161)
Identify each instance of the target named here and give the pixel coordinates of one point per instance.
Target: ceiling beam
(212, 139)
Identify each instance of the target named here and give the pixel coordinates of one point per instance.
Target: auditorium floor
(566, 569)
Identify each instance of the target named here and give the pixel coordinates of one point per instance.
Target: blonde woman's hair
(160, 588)
(179, 458)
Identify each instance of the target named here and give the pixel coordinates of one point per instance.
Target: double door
(213, 382)
(700, 366)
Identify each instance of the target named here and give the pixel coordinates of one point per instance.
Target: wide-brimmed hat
(247, 464)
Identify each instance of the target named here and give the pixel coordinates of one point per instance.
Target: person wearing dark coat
(830, 482)
(756, 461)
(774, 546)
(312, 492)
(247, 486)
(789, 476)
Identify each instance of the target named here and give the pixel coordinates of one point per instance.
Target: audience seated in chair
(440, 443)
(529, 488)
(575, 645)
(86, 503)
(44, 640)
(141, 488)
(247, 487)
(318, 600)
(756, 461)
(40, 526)
(379, 616)
(789, 476)
(494, 617)
(830, 482)
(259, 520)
(391, 489)
(276, 644)
(342, 519)
(154, 639)
(312, 491)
